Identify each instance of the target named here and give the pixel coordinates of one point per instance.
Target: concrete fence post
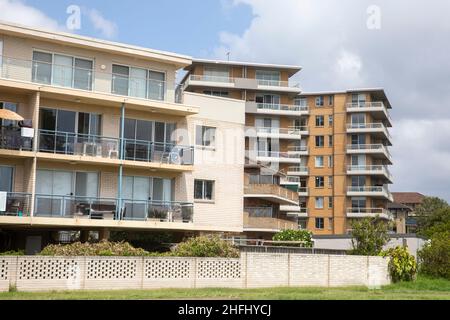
(289, 270)
(328, 271)
(143, 272)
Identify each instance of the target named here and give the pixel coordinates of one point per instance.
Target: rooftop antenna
(228, 55)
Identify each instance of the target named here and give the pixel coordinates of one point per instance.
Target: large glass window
(8, 106)
(320, 223)
(320, 141)
(62, 70)
(216, 74)
(6, 179)
(268, 77)
(138, 82)
(267, 99)
(358, 139)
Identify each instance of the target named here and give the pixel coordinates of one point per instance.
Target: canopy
(10, 115)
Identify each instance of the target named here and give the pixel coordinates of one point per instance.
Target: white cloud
(16, 11)
(408, 56)
(106, 27)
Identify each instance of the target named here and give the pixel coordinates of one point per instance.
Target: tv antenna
(228, 55)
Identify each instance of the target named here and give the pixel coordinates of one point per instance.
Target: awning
(10, 115)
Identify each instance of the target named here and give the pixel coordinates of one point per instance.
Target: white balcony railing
(281, 107)
(298, 170)
(376, 169)
(368, 212)
(369, 148)
(375, 127)
(381, 191)
(232, 80)
(368, 106)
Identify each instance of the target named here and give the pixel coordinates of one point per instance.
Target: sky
(402, 46)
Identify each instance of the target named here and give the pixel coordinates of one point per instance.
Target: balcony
(268, 188)
(369, 213)
(378, 151)
(273, 156)
(296, 211)
(298, 150)
(91, 84)
(378, 130)
(298, 171)
(99, 148)
(274, 133)
(241, 83)
(276, 109)
(377, 109)
(370, 191)
(374, 170)
(11, 139)
(16, 204)
(166, 153)
(261, 219)
(90, 208)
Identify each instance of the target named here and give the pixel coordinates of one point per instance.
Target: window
(205, 136)
(8, 106)
(330, 223)
(320, 141)
(330, 141)
(330, 181)
(358, 119)
(62, 70)
(137, 82)
(216, 74)
(320, 223)
(330, 162)
(203, 190)
(268, 77)
(358, 203)
(358, 139)
(319, 162)
(269, 99)
(330, 120)
(320, 182)
(358, 181)
(320, 121)
(319, 101)
(319, 202)
(302, 102)
(330, 202)
(216, 93)
(359, 98)
(331, 100)
(6, 179)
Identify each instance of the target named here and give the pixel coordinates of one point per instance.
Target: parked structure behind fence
(251, 270)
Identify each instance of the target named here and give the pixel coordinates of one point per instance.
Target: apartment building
(403, 209)
(314, 160)
(107, 143)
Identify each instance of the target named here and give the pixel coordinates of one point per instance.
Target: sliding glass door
(6, 178)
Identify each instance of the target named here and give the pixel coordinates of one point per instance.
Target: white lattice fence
(250, 271)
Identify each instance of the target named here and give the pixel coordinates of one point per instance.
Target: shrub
(434, 258)
(369, 236)
(402, 265)
(103, 248)
(13, 253)
(205, 246)
(294, 235)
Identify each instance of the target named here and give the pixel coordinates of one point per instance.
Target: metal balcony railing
(162, 211)
(256, 212)
(300, 169)
(368, 189)
(55, 206)
(376, 105)
(83, 79)
(263, 179)
(277, 154)
(78, 144)
(104, 147)
(11, 139)
(278, 131)
(259, 82)
(281, 107)
(69, 206)
(378, 125)
(17, 204)
(147, 151)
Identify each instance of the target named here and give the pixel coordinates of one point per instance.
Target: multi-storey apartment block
(314, 160)
(108, 144)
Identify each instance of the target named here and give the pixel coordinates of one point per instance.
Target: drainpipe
(121, 157)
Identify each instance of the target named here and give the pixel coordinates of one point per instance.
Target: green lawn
(423, 288)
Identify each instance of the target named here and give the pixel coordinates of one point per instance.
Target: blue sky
(407, 54)
(188, 27)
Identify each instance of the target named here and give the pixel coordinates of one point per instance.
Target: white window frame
(204, 133)
(204, 183)
(317, 202)
(316, 162)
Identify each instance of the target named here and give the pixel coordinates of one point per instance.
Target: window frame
(321, 224)
(204, 190)
(204, 130)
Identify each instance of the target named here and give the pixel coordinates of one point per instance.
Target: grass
(422, 289)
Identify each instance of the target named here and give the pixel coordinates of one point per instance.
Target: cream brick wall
(252, 270)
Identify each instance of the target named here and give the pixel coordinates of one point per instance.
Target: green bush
(294, 235)
(102, 248)
(13, 253)
(434, 258)
(402, 265)
(205, 246)
(369, 236)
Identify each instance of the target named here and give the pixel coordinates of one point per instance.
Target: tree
(369, 236)
(434, 258)
(432, 215)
